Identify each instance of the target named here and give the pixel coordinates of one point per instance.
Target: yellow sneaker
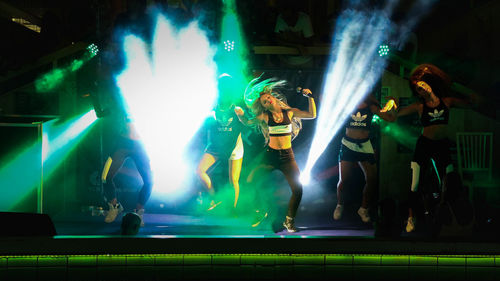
(260, 216)
(410, 226)
(363, 213)
(113, 212)
(289, 224)
(337, 214)
(213, 205)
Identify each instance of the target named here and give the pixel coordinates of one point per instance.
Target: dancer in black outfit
(432, 86)
(224, 141)
(127, 145)
(357, 149)
(275, 119)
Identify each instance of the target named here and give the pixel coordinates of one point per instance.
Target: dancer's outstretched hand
(391, 104)
(239, 111)
(306, 93)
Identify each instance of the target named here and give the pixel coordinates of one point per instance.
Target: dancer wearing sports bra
(356, 149)
(431, 85)
(278, 123)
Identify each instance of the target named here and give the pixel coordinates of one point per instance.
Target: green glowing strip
(250, 259)
(405, 136)
(436, 170)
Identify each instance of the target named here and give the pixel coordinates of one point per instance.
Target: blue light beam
(355, 66)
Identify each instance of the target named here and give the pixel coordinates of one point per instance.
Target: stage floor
(211, 226)
(170, 233)
(210, 247)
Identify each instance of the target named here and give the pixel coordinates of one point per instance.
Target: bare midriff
(280, 142)
(435, 132)
(357, 134)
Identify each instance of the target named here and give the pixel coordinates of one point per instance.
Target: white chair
(475, 160)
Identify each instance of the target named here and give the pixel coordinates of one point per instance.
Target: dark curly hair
(439, 81)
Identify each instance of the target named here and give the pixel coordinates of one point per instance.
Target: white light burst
(169, 89)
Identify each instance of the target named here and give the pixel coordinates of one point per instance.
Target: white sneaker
(140, 212)
(337, 214)
(410, 225)
(363, 213)
(113, 211)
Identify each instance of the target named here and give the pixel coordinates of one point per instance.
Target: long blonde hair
(255, 90)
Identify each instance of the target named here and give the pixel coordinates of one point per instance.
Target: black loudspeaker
(26, 224)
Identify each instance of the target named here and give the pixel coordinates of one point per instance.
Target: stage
(176, 246)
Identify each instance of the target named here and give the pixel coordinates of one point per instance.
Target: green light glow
(233, 50)
(405, 136)
(63, 138)
(23, 173)
(221, 266)
(258, 259)
(20, 175)
(54, 78)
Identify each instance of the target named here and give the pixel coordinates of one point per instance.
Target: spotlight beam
(355, 66)
(233, 51)
(22, 174)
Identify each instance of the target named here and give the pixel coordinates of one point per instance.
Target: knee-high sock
(105, 171)
(415, 176)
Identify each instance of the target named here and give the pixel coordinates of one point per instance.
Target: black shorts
(438, 150)
(279, 157)
(358, 151)
(233, 153)
(132, 148)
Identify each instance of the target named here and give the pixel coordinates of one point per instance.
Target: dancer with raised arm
(278, 123)
(432, 86)
(356, 149)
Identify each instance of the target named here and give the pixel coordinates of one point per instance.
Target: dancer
(127, 145)
(223, 144)
(356, 149)
(276, 120)
(431, 85)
